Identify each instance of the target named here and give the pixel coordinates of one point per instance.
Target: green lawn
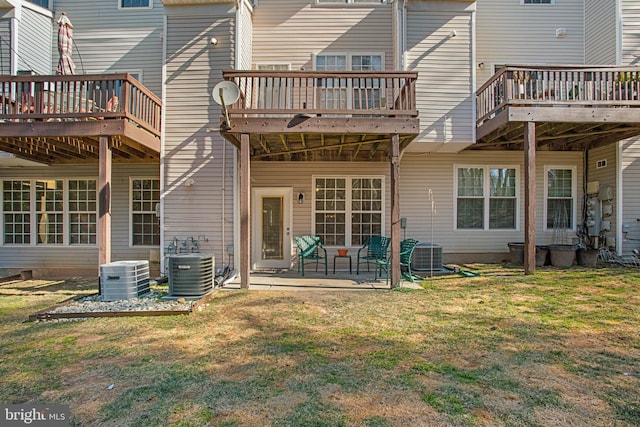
(559, 348)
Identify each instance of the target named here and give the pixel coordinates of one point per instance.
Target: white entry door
(271, 228)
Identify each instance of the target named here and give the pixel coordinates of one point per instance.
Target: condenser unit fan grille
(191, 275)
(427, 256)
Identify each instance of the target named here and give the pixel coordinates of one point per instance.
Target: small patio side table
(342, 256)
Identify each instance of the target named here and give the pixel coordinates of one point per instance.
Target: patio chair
(375, 248)
(309, 250)
(406, 251)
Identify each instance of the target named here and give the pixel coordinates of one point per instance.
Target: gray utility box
(191, 275)
(122, 280)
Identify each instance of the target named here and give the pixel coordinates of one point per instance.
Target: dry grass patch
(499, 349)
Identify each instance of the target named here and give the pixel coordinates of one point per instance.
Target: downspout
(404, 36)
(474, 108)
(619, 32)
(237, 65)
(619, 197)
(163, 122)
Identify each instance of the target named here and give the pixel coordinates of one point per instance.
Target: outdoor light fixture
(300, 198)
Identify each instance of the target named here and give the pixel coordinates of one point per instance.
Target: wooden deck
(322, 116)
(574, 108)
(60, 119)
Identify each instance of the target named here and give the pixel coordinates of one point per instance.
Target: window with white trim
(344, 93)
(50, 211)
(560, 194)
(486, 198)
(348, 209)
(127, 4)
(83, 206)
(145, 225)
(16, 206)
(55, 211)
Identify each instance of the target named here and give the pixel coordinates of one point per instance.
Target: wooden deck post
(104, 202)
(394, 155)
(245, 209)
(529, 198)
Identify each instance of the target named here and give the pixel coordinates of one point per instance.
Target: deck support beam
(245, 230)
(394, 157)
(529, 198)
(104, 201)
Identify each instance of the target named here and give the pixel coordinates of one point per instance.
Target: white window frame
(574, 195)
(349, 56)
(121, 7)
(486, 196)
(33, 213)
(138, 178)
(348, 89)
(69, 211)
(348, 209)
(272, 66)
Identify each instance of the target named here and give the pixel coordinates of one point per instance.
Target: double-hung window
(49, 212)
(486, 198)
(560, 198)
(348, 209)
(356, 93)
(145, 226)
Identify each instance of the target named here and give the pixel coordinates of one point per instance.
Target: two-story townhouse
(354, 114)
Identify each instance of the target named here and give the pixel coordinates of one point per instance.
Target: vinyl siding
(436, 172)
(246, 38)
(511, 33)
(420, 173)
(600, 32)
(80, 256)
(193, 67)
(112, 40)
(34, 42)
(292, 31)
(299, 176)
(630, 186)
(631, 32)
(445, 88)
(5, 46)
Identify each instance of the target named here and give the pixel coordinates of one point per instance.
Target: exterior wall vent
(124, 280)
(191, 275)
(426, 257)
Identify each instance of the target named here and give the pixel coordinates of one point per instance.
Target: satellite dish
(225, 93)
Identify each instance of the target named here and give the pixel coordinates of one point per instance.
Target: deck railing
(79, 97)
(579, 86)
(334, 93)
